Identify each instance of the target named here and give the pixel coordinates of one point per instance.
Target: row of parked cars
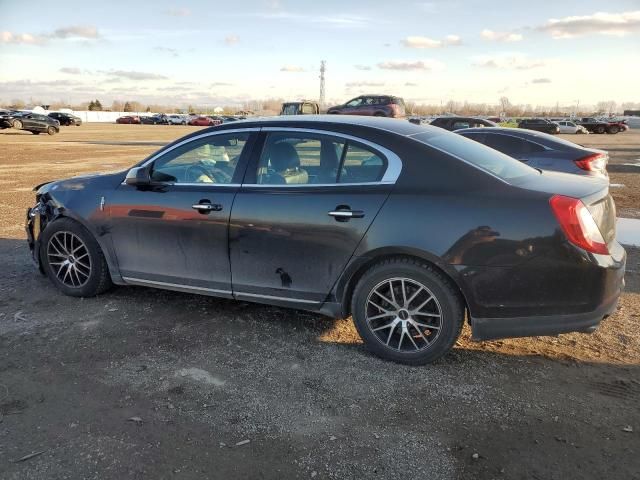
(177, 119)
(37, 123)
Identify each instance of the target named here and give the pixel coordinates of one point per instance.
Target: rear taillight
(594, 162)
(578, 224)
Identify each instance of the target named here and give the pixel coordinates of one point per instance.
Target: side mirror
(137, 177)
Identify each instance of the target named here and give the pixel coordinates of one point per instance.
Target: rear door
(307, 201)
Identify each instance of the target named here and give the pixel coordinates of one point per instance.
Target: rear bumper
(540, 325)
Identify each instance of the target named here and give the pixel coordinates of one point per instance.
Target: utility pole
(322, 70)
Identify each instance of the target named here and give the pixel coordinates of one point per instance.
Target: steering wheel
(194, 172)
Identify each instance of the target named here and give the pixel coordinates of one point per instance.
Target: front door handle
(207, 207)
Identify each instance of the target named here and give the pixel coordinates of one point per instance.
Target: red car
(128, 119)
(203, 121)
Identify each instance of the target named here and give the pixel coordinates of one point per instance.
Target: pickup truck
(300, 108)
(598, 126)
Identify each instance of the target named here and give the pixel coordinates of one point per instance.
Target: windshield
(290, 109)
(498, 164)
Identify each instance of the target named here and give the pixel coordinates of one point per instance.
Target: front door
(175, 234)
(305, 205)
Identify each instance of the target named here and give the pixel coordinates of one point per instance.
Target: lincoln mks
(410, 230)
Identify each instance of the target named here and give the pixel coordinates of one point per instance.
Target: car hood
(81, 182)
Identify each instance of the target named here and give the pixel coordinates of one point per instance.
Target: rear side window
(502, 166)
(361, 165)
(505, 143)
(460, 124)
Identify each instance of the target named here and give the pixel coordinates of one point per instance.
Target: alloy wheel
(69, 259)
(403, 314)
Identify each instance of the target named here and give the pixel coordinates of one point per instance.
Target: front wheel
(613, 129)
(17, 124)
(73, 260)
(51, 131)
(407, 312)
(600, 129)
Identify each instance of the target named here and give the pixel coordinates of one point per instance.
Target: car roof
(327, 122)
(525, 133)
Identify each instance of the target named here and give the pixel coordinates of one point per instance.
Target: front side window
(355, 102)
(310, 159)
(209, 160)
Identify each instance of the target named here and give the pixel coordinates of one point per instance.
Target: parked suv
(456, 123)
(408, 229)
(540, 125)
(372, 105)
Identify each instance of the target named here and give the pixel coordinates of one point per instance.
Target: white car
(177, 119)
(567, 126)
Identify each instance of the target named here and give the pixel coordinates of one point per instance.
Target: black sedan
(66, 119)
(539, 125)
(406, 228)
(31, 122)
(544, 151)
(456, 123)
(155, 120)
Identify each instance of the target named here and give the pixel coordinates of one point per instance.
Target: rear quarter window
(487, 159)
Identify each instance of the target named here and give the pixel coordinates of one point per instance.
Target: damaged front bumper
(35, 222)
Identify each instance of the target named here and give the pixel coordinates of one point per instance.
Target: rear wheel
(613, 129)
(73, 260)
(600, 129)
(51, 131)
(17, 124)
(406, 311)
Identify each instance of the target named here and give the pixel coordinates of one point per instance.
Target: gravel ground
(141, 383)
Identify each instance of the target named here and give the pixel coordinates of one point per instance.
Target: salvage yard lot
(142, 383)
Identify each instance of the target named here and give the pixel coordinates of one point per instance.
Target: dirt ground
(146, 384)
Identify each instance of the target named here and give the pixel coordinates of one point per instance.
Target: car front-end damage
(38, 216)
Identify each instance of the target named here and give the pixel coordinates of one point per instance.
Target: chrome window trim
(390, 177)
(272, 297)
(142, 281)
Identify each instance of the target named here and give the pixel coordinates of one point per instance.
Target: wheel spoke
(426, 314)
(388, 325)
(385, 299)
(422, 305)
(393, 327)
(393, 295)
(432, 327)
(411, 338)
(412, 298)
(382, 315)
(413, 324)
(404, 293)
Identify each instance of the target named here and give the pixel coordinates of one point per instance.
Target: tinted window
(308, 108)
(209, 160)
(299, 159)
(361, 165)
(355, 102)
(505, 143)
(485, 158)
(460, 124)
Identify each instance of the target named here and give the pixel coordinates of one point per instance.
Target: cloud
(425, 42)
(410, 84)
(364, 83)
(500, 36)
(541, 80)
(291, 68)
(428, 65)
(340, 20)
(221, 84)
(171, 51)
(602, 23)
(178, 12)
(21, 38)
(509, 62)
(76, 31)
(231, 39)
(362, 67)
(133, 75)
(71, 70)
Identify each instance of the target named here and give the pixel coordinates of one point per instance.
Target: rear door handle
(346, 214)
(207, 207)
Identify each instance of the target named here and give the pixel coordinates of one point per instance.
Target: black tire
(98, 279)
(35, 133)
(51, 131)
(613, 129)
(17, 124)
(447, 299)
(379, 114)
(600, 129)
